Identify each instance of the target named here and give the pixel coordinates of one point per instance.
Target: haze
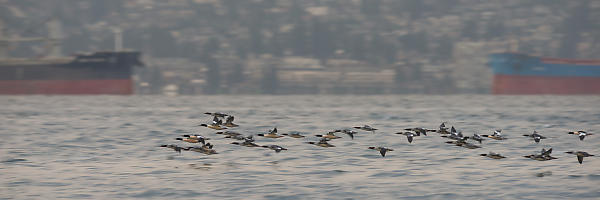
(306, 47)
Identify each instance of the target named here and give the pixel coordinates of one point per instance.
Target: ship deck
(34, 61)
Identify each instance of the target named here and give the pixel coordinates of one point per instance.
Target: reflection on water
(106, 147)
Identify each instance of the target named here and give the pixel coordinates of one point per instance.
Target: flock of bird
(455, 137)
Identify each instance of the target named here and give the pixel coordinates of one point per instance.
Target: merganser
(382, 150)
(580, 155)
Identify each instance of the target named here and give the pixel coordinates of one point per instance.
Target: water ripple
(107, 147)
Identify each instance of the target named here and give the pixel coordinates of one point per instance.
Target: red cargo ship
(96, 73)
(524, 74)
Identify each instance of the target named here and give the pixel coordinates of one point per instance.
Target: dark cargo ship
(106, 72)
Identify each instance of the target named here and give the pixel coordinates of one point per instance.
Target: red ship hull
(68, 87)
(516, 84)
(105, 72)
(516, 73)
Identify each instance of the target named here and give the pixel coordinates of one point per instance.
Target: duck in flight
(409, 135)
(271, 134)
(322, 143)
(241, 137)
(293, 134)
(420, 131)
(455, 135)
(276, 148)
(216, 114)
(443, 129)
(192, 140)
(216, 124)
(347, 132)
(246, 143)
(543, 156)
(174, 147)
(463, 143)
(205, 149)
(366, 128)
(536, 136)
(382, 150)
(229, 133)
(493, 155)
(197, 137)
(497, 135)
(580, 155)
(229, 122)
(477, 137)
(330, 135)
(581, 134)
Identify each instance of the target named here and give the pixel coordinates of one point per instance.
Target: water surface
(105, 147)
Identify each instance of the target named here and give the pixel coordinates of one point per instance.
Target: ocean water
(106, 147)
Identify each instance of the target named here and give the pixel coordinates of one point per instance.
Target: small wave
(14, 160)
(168, 192)
(574, 176)
(389, 174)
(53, 184)
(284, 197)
(19, 182)
(543, 174)
(594, 177)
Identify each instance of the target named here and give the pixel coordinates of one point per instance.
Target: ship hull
(523, 74)
(515, 84)
(85, 74)
(66, 87)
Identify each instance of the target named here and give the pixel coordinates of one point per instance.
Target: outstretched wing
(215, 121)
(229, 119)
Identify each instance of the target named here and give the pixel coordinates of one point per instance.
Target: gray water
(106, 147)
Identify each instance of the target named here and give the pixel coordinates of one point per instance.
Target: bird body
(246, 144)
(493, 155)
(216, 114)
(497, 135)
(192, 140)
(581, 134)
(330, 135)
(419, 130)
(443, 129)
(366, 128)
(174, 147)
(477, 138)
(382, 150)
(229, 122)
(580, 155)
(536, 136)
(409, 135)
(271, 134)
(205, 149)
(543, 156)
(276, 148)
(229, 133)
(294, 135)
(216, 124)
(322, 143)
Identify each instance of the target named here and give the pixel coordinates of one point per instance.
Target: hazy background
(309, 46)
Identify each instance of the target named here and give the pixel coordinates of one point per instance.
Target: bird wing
(382, 151)
(215, 121)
